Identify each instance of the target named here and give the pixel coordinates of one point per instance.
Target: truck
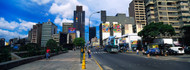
(166, 44)
(111, 44)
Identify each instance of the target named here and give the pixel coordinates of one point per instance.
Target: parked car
(187, 50)
(171, 52)
(179, 50)
(152, 51)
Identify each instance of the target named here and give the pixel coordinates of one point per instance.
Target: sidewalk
(65, 61)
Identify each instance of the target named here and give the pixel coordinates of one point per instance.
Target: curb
(97, 63)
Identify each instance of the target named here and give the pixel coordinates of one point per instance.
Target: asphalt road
(123, 61)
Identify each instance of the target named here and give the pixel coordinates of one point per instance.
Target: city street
(124, 61)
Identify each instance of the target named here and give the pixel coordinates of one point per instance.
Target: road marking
(97, 63)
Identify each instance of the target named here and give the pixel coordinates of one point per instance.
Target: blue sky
(18, 16)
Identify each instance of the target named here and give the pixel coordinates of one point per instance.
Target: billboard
(105, 27)
(117, 28)
(72, 30)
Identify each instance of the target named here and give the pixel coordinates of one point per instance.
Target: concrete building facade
(172, 12)
(128, 28)
(79, 21)
(35, 34)
(121, 19)
(114, 25)
(48, 29)
(137, 10)
(66, 27)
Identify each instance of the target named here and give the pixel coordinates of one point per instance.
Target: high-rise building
(137, 10)
(92, 33)
(66, 26)
(2, 42)
(35, 34)
(121, 19)
(79, 20)
(172, 12)
(48, 29)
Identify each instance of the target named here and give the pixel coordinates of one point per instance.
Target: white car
(179, 50)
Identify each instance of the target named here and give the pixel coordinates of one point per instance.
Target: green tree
(186, 35)
(32, 48)
(5, 54)
(52, 45)
(79, 42)
(156, 29)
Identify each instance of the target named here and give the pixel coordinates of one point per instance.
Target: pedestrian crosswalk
(102, 52)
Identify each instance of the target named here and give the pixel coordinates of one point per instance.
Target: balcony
(173, 15)
(185, 19)
(170, 9)
(184, 9)
(184, 4)
(170, 0)
(149, 2)
(185, 14)
(151, 7)
(173, 20)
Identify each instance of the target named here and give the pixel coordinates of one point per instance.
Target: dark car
(187, 50)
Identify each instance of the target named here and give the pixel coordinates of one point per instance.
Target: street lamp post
(89, 23)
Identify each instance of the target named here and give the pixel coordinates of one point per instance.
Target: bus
(111, 44)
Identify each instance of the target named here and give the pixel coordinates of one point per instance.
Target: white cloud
(111, 6)
(25, 25)
(64, 9)
(4, 24)
(58, 20)
(8, 35)
(10, 30)
(22, 25)
(40, 2)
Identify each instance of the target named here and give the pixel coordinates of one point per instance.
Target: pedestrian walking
(137, 52)
(89, 53)
(48, 53)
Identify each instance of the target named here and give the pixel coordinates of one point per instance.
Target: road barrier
(166, 54)
(83, 62)
(148, 55)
